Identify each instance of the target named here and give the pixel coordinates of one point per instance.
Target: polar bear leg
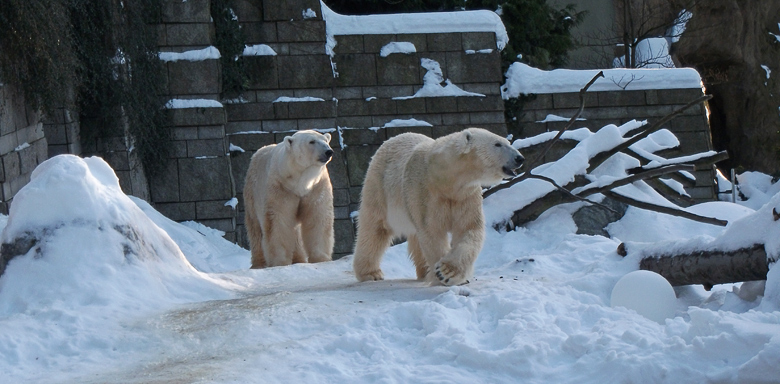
(435, 246)
(255, 235)
(467, 239)
(281, 233)
(317, 224)
(415, 252)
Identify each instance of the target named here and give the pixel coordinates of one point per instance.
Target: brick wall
(22, 144)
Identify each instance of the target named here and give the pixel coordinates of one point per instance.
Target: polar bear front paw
(371, 276)
(449, 274)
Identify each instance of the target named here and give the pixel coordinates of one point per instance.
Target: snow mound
(123, 258)
(648, 293)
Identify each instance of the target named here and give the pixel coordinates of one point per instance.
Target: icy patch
(209, 53)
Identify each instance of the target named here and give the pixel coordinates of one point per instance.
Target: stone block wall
(617, 107)
(22, 144)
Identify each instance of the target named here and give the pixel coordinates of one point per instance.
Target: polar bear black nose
(329, 153)
(519, 160)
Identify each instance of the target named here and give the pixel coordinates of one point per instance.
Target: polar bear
(288, 201)
(430, 191)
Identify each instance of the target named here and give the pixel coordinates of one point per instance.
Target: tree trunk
(710, 267)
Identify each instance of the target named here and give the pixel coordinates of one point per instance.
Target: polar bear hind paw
(448, 274)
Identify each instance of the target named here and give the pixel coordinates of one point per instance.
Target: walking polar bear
(430, 191)
(288, 201)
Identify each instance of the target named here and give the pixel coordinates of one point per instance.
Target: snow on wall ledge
(425, 22)
(523, 79)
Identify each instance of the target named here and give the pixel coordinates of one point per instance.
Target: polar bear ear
(327, 137)
(288, 140)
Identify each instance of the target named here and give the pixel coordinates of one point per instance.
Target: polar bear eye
(498, 144)
(311, 142)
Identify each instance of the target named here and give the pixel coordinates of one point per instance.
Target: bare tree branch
(655, 172)
(666, 210)
(567, 192)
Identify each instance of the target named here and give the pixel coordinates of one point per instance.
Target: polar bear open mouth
(509, 171)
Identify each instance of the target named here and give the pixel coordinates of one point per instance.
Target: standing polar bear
(430, 191)
(288, 201)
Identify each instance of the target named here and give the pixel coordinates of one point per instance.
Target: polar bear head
(487, 156)
(309, 148)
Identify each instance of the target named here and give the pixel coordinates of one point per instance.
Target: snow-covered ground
(112, 291)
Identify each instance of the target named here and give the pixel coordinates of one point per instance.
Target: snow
(232, 203)
(523, 79)
(647, 293)
(555, 118)
(409, 23)
(767, 70)
(235, 148)
(115, 292)
(407, 123)
(192, 103)
(22, 146)
(208, 53)
(309, 14)
(432, 83)
(652, 52)
(258, 50)
(397, 47)
(472, 52)
(286, 99)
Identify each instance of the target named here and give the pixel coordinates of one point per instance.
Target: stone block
(341, 213)
(480, 104)
(689, 123)
(649, 111)
(391, 91)
(205, 179)
(572, 100)
(358, 158)
(420, 40)
(307, 71)
(354, 195)
(28, 160)
(235, 127)
(345, 238)
(55, 134)
(11, 165)
(337, 168)
(177, 211)
(354, 121)
(191, 34)
(185, 133)
(621, 98)
(441, 104)
(268, 96)
(262, 72)
(443, 41)
(374, 43)
(239, 163)
(301, 31)
(478, 40)
(615, 114)
(259, 32)
(324, 123)
(486, 89)
(178, 150)
(191, 11)
(213, 210)
(312, 109)
(398, 69)
(251, 142)
(8, 142)
(343, 93)
(280, 125)
(538, 101)
(439, 131)
(165, 186)
(211, 132)
(694, 142)
(119, 161)
(249, 111)
(349, 44)
(678, 96)
(463, 68)
(355, 69)
(224, 225)
(363, 136)
(197, 116)
(322, 93)
(341, 197)
(352, 107)
(381, 107)
(274, 10)
(210, 147)
(248, 10)
(487, 118)
(194, 77)
(281, 111)
(415, 105)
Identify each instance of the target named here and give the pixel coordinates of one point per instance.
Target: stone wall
(617, 107)
(22, 144)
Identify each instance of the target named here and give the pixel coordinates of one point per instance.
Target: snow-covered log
(710, 267)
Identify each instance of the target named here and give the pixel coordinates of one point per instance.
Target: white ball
(648, 293)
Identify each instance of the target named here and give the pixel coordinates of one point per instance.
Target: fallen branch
(655, 172)
(567, 192)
